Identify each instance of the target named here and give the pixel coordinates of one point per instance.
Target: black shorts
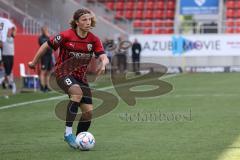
(8, 64)
(46, 62)
(66, 82)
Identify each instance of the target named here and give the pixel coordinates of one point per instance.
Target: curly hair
(77, 14)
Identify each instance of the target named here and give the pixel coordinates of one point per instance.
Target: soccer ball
(85, 141)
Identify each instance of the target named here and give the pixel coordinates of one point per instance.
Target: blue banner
(190, 7)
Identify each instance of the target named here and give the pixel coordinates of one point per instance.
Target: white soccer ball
(85, 141)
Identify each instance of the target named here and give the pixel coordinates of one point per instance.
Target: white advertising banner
(188, 45)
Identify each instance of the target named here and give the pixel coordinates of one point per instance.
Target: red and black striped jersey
(75, 53)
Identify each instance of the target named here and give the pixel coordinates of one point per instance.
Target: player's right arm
(41, 51)
(53, 43)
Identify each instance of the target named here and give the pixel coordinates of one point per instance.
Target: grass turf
(209, 101)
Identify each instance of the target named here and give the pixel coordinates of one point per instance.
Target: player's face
(84, 22)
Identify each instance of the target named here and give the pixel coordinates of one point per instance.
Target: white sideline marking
(30, 102)
(232, 152)
(58, 97)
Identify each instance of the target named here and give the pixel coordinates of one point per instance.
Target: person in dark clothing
(136, 50)
(121, 55)
(46, 60)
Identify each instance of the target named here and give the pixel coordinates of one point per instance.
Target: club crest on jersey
(89, 46)
(57, 38)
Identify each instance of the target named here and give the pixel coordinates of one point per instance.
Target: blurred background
(184, 35)
(193, 35)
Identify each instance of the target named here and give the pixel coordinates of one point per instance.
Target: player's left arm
(101, 56)
(103, 62)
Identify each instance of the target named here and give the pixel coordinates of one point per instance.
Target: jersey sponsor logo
(89, 46)
(79, 55)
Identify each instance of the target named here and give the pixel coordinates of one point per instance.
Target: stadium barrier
(191, 50)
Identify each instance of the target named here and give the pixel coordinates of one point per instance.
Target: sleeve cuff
(97, 54)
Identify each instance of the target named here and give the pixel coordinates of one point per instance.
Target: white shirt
(8, 47)
(5, 24)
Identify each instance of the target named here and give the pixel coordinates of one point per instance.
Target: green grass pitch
(198, 120)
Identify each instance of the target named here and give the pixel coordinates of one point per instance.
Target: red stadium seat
(169, 31)
(230, 13)
(229, 30)
(147, 23)
(149, 5)
(237, 30)
(110, 5)
(169, 23)
(159, 14)
(137, 24)
(129, 14)
(170, 14)
(171, 5)
(140, 5)
(119, 14)
(229, 23)
(138, 14)
(159, 5)
(237, 15)
(158, 31)
(237, 22)
(149, 14)
(230, 4)
(129, 5)
(147, 31)
(158, 23)
(119, 5)
(237, 4)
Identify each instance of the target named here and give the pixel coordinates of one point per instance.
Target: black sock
(83, 125)
(72, 110)
(4, 85)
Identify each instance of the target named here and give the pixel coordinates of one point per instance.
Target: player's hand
(31, 65)
(101, 70)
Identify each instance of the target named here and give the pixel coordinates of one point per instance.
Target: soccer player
(136, 52)
(76, 48)
(8, 54)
